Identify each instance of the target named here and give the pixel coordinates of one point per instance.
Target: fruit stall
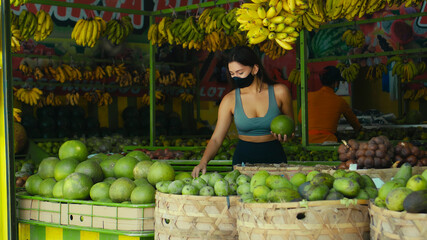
(109, 105)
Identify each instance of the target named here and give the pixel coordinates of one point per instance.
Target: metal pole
(152, 89)
(7, 169)
(304, 111)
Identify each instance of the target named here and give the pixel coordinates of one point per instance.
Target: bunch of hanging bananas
(349, 9)
(408, 3)
(295, 76)
(168, 79)
(65, 72)
(268, 20)
(118, 30)
(93, 97)
(125, 79)
(17, 114)
(38, 74)
(87, 32)
(145, 99)
(16, 37)
(161, 33)
(52, 100)
(27, 23)
(146, 78)
(159, 96)
(188, 97)
(105, 99)
(49, 72)
(17, 3)
(219, 41)
(136, 77)
(25, 69)
(99, 73)
(185, 31)
(272, 49)
(353, 38)
(406, 69)
(28, 95)
(73, 98)
(376, 72)
(349, 73)
(215, 19)
(415, 95)
(88, 73)
(44, 26)
(186, 80)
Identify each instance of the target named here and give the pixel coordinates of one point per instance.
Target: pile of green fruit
(314, 186)
(104, 178)
(50, 147)
(405, 192)
(209, 184)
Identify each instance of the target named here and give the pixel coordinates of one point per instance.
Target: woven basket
(195, 217)
(384, 174)
(332, 219)
(386, 224)
(280, 169)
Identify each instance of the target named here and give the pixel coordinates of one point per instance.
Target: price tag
(378, 182)
(352, 167)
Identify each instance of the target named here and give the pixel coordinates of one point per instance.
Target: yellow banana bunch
(68, 73)
(109, 70)
(73, 98)
(159, 96)
(145, 99)
(272, 49)
(38, 74)
(17, 3)
(219, 41)
(349, 73)
(295, 76)
(413, 3)
(136, 77)
(28, 95)
(406, 70)
(88, 74)
(25, 69)
(50, 99)
(44, 26)
(49, 72)
(124, 79)
(99, 73)
(421, 68)
(16, 37)
(376, 72)
(161, 33)
(353, 38)
(105, 99)
(188, 97)
(27, 23)
(118, 30)
(421, 93)
(186, 80)
(87, 32)
(311, 19)
(119, 69)
(93, 97)
(17, 114)
(409, 94)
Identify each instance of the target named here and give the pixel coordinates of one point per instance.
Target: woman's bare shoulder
(280, 88)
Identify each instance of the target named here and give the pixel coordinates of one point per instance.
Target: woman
(254, 103)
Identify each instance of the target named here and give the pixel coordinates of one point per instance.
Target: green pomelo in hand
(121, 189)
(32, 185)
(46, 187)
(47, 167)
(100, 191)
(64, 168)
(283, 125)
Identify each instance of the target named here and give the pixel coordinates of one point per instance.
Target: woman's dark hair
(330, 75)
(247, 57)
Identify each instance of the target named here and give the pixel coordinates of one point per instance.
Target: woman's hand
(281, 138)
(197, 169)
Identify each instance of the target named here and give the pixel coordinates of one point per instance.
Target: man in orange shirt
(325, 108)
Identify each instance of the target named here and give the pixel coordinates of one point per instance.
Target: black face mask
(243, 82)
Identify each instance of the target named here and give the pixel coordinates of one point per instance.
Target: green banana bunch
(27, 23)
(44, 26)
(17, 3)
(353, 38)
(213, 19)
(118, 30)
(186, 31)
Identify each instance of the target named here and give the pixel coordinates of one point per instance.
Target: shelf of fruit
(393, 132)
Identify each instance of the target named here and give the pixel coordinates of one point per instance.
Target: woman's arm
(221, 129)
